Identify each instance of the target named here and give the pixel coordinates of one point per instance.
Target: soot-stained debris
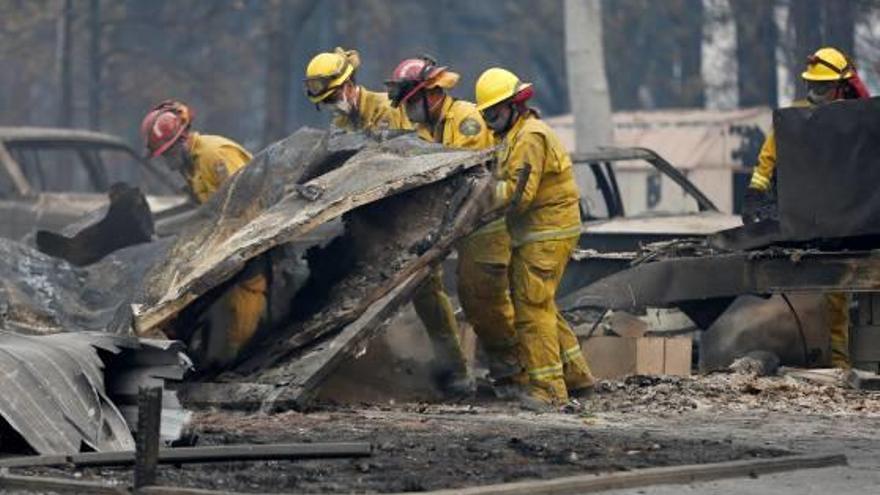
(731, 392)
(418, 451)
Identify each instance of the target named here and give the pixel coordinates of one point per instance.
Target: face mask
(498, 118)
(342, 107)
(339, 103)
(175, 158)
(416, 111)
(821, 92)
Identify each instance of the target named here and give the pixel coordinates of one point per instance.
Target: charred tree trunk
(756, 40)
(95, 61)
(839, 25)
(806, 17)
(619, 40)
(278, 70)
(283, 18)
(689, 37)
(65, 65)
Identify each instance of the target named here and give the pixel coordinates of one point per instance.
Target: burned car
(52, 177)
(615, 227)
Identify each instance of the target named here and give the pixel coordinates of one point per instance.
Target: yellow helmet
(327, 71)
(827, 64)
(496, 85)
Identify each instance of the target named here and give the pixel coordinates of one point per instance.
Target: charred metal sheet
(828, 168)
(827, 164)
(749, 236)
(155, 363)
(259, 208)
(318, 361)
(674, 281)
(54, 389)
(127, 221)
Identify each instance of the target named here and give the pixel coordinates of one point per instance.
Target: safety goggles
(320, 85)
(317, 86)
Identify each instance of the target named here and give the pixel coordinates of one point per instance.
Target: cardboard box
(615, 357)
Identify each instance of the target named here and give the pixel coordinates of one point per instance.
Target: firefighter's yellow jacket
(214, 159)
(374, 112)
(545, 206)
(763, 173)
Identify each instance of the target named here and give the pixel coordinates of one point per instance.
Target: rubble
(729, 393)
(402, 203)
(40, 294)
(56, 396)
(424, 447)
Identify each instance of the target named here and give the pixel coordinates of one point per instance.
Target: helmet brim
(167, 144)
(806, 76)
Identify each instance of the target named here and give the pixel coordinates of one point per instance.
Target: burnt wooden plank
(315, 365)
(653, 476)
(219, 453)
(312, 369)
(44, 484)
(239, 396)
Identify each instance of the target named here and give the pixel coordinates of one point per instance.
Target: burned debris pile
(348, 225)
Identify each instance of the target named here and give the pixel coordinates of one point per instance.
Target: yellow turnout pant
(549, 347)
(484, 292)
(434, 309)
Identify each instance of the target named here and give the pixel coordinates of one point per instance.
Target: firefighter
(538, 190)
(829, 76)
(205, 162)
(330, 83)
(420, 86)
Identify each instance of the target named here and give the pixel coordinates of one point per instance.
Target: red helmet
(412, 75)
(164, 125)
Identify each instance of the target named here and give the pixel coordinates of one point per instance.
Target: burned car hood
(695, 224)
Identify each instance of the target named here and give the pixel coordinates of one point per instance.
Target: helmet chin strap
(512, 114)
(429, 109)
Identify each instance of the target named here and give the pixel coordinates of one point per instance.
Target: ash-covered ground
(421, 443)
(422, 447)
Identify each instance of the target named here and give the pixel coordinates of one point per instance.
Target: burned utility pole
(587, 83)
(147, 442)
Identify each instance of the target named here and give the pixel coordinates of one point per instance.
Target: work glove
(487, 203)
(753, 202)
